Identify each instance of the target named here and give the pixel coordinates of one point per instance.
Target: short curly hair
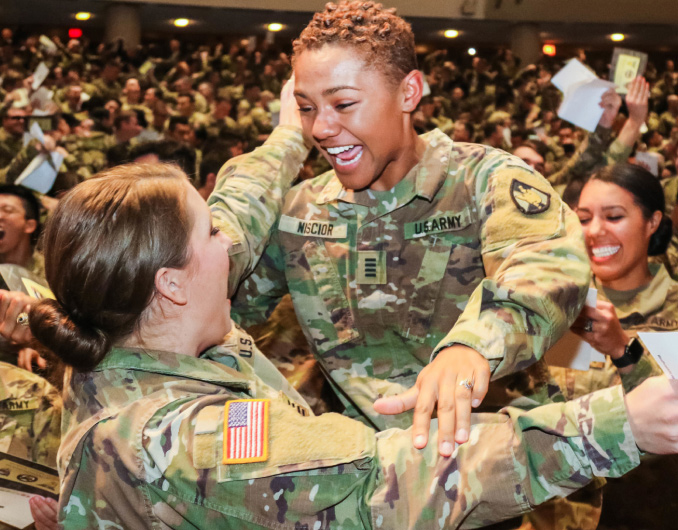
(386, 38)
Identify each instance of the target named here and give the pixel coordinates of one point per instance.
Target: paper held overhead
(582, 92)
(41, 173)
(39, 76)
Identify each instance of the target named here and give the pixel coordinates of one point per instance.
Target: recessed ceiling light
(472, 51)
(181, 22)
(275, 26)
(451, 33)
(617, 37)
(83, 15)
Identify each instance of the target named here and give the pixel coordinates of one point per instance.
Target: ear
(412, 87)
(172, 284)
(655, 220)
(30, 226)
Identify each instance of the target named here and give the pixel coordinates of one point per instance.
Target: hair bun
(76, 344)
(659, 241)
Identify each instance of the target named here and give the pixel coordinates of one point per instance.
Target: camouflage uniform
(30, 416)
(594, 153)
(150, 426)
(381, 281)
(654, 308)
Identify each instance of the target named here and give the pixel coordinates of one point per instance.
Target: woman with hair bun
(173, 418)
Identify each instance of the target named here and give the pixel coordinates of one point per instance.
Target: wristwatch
(632, 354)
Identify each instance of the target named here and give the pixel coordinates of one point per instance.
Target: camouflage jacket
(471, 247)
(652, 308)
(30, 416)
(151, 427)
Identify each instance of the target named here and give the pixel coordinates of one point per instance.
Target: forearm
(630, 133)
(533, 293)
(248, 197)
(513, 461)
(589, 156)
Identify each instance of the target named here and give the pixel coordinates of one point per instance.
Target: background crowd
(199, 107)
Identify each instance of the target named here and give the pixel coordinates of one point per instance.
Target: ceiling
(44, 15)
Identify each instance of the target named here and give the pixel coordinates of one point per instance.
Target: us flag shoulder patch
(246, 431)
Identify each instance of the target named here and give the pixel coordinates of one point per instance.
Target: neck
(19, 255)
(639, 277)
(412, 152)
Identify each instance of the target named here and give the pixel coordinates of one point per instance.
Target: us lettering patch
(246, 431)
(529, 199)
(312, 228)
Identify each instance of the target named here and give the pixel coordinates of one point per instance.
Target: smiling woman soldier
(418, 267)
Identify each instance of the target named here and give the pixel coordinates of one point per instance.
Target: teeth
(604, 252)
(339, 150)
(341, 162)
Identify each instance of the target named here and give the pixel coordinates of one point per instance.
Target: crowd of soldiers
(198, 108)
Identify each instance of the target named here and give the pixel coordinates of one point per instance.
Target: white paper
(36, 132)
(571, 351)
(48, 44)
(14, 508)
(649, 161)
(39, 76)
(663, 346)
(40, 99)
(40, 174)
(582, 91)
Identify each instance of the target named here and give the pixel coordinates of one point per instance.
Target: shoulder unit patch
(529, 199)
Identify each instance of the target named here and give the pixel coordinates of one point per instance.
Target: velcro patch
(312, 228)
(445, 222)
(529, 199)
(371, 267)
(246, 431)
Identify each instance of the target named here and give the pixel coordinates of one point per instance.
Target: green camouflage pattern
(654, 308)
(30, 416)
(247, 198)
(455, 261)
(149, 425)
(595, 152)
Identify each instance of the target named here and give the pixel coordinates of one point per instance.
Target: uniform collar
(428, 175)
(175, 365)
(646, 301)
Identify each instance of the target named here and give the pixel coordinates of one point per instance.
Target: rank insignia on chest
(371, 267)
(529, 199)
(246, 431)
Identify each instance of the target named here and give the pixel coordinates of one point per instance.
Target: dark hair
(168, 151)
(648, 195)
(103, 246)
(212, 163)
(176, 120)
(29, 202)
(387, 37)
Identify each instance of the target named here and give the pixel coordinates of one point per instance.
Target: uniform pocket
(322, 307)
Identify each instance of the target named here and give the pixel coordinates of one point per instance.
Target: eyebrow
(329, 91)
(604, 208)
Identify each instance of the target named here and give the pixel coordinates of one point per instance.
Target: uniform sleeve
(247, 199)
(332, 472)
(590, 156)
(259, 294)
(536, 266)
